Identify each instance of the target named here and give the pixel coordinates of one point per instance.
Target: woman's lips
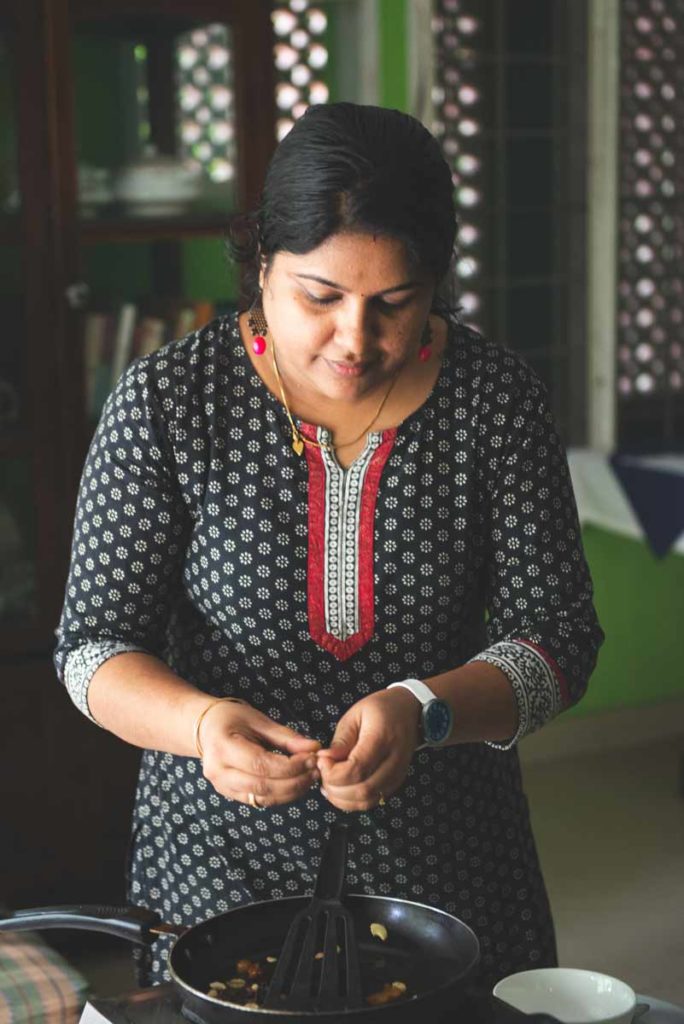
(348, 369)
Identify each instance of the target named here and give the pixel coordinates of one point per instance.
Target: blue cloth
(656, 494)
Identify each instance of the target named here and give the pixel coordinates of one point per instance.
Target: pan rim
(414, 1000)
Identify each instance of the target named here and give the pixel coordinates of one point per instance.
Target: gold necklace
(299, 440)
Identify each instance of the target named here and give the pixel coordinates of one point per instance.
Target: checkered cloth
(36, 983)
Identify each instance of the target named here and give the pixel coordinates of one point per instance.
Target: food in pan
(247, 980)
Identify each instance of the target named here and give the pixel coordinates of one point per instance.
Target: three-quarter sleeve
(542, 629)
(129, 535)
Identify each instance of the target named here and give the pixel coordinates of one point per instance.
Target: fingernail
(310, 763)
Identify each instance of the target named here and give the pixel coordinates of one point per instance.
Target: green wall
(393, 56)
(640, 603)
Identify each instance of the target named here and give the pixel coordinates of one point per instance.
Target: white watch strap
(420, 690)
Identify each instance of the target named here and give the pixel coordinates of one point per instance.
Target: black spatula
(303, 979)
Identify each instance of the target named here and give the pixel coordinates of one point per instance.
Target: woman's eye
(392, 306)
(321, 301)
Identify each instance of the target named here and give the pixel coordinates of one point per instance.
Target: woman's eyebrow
(331, 284)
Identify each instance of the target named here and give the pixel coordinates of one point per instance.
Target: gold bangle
(200, 718)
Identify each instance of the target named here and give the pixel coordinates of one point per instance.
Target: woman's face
(347, 316)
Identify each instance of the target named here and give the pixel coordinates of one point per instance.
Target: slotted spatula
(303, 980)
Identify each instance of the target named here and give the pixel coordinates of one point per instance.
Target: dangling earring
(259, 328)
(425, 350)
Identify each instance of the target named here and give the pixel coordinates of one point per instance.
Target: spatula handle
(330, 879)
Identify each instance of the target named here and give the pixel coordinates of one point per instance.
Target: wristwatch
(436, 719)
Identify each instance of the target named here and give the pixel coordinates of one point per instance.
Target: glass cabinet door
(156, 138)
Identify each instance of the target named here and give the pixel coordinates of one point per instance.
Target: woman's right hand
(237, 743)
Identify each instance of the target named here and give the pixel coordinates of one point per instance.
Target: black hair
(349, 167)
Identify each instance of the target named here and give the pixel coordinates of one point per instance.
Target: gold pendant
(297, 445)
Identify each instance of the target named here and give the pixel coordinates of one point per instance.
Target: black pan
(431, 951)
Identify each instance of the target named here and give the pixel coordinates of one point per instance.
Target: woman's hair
(345, 167)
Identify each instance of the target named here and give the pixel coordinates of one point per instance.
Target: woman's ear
(263, 267)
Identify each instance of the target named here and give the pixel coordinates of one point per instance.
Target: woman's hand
(371, 750)
(237, 743)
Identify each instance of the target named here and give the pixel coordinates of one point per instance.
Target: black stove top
(160, 1005)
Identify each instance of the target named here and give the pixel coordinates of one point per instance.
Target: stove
(161, 1005)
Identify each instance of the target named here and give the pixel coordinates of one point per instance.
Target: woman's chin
(342, 381)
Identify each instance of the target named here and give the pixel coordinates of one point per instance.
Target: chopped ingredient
(271, 959)
(378, 931)
(237, 983)
(217, 985)
(319, 956)
(387, 994)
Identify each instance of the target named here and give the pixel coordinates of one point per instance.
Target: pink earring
(425, 350)
(259, 328)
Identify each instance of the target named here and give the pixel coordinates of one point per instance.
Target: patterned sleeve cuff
(537, 682)
(82, 663)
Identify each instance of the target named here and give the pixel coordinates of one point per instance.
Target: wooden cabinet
(70, 78)
(87, 84)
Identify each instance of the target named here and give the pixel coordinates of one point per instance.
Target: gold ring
(252, 801)
(381, 801)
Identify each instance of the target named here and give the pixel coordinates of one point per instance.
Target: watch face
(437, 720)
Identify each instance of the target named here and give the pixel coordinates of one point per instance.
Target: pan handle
(133, 923)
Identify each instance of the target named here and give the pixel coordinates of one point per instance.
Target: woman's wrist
(201, 716)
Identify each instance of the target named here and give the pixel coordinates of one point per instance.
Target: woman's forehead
(355, 261)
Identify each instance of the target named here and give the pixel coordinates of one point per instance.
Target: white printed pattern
(535, 686)
(343, 493)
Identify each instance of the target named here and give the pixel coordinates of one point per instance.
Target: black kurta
(202, 538)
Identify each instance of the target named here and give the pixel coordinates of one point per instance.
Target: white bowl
(158, 180)
(570, 995)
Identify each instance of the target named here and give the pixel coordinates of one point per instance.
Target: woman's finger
(246, 754)
(355, 802)
(262, 792)
(281, 736)
(365, 795)
(364, 758)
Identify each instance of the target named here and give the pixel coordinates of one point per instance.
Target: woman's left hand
(371, 750)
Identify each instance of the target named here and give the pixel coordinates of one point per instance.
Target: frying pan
(433, 952)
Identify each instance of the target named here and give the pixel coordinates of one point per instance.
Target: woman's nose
(354, 334)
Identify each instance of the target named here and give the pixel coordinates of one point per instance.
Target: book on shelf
(204, 313)
(115, 335)
(93, 357)
(150, 334)
(123, 339)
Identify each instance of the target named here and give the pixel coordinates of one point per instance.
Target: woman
(338, 490)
